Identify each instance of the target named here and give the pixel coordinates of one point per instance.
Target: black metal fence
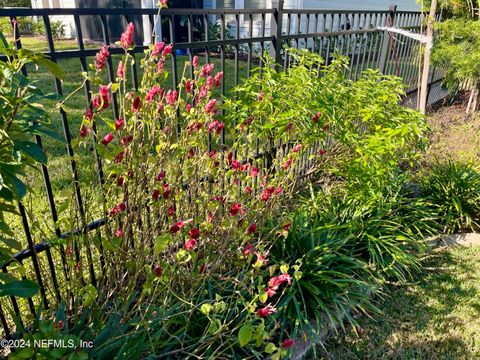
(237, 39)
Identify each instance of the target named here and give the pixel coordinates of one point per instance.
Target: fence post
(276, 31)
(382, 63)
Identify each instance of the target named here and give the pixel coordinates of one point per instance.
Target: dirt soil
(454, 134)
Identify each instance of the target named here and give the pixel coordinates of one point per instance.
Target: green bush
(27, 26)
(455, 188)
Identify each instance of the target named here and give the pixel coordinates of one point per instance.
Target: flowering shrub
(197, 191)
(187, 203)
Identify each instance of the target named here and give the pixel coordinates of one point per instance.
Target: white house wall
(68, 21)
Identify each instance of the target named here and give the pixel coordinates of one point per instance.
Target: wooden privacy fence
(237, 39)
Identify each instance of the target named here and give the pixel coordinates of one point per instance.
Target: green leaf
(160, 243)
(19, 187)
(270, 348)
(20, 288)
(31, 149)
(24, 353)
(89, 295)
(205, 309)
(3, 41)
(12, 243)
(52, 67)
(263, 297)
(78, 355)
(245, 334)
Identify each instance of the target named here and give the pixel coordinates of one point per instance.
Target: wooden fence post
(426, 60)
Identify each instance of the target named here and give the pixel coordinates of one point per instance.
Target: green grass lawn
(436, 317)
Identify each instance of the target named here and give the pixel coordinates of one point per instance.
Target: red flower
(209, 83)
(167, 50)
(158, 48)
(251, 229)
(316, 117)
(119, 157)
(254, 171)
(265, 195)
(171, 211)
(127, 37)
(248, 189)
(158, 270)
(68, 251)
(289, 127)
(322, 152)
(119, 123)
(119, 233)
(171, 97)
(120, 181)
(127, 139)
(58, 325)
(248, 250)
(287, 163)
(235, 164)
(218, 78)
(117, 209)
(160, 176)
(190, 244)
(177, 226)
(136, 104)
(101, 58)
(88, 114)
(287, 343)
(155, 194)
(297, 148)
(83, 131)
(188, 86)
(235, 208)
(102, 101)
(325, 127)
(107, 139)
(160, 66)
(121, 70)
(262, 259)
(195, 61)
(206, 70)
(166, 191)
(216, 126)
(152, 93)
(210, 105)
(266, 311)
(286, 227)
(194, 233)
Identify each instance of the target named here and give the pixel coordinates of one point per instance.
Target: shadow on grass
(437, 317)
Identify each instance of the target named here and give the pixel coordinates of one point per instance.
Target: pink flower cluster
(275, 282)
(101, 58)
(266, 311)
(117, 209)
(102, 100)
(269, 191)
(216, 126)
(127, 37)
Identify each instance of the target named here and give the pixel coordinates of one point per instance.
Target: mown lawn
(436, 317)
